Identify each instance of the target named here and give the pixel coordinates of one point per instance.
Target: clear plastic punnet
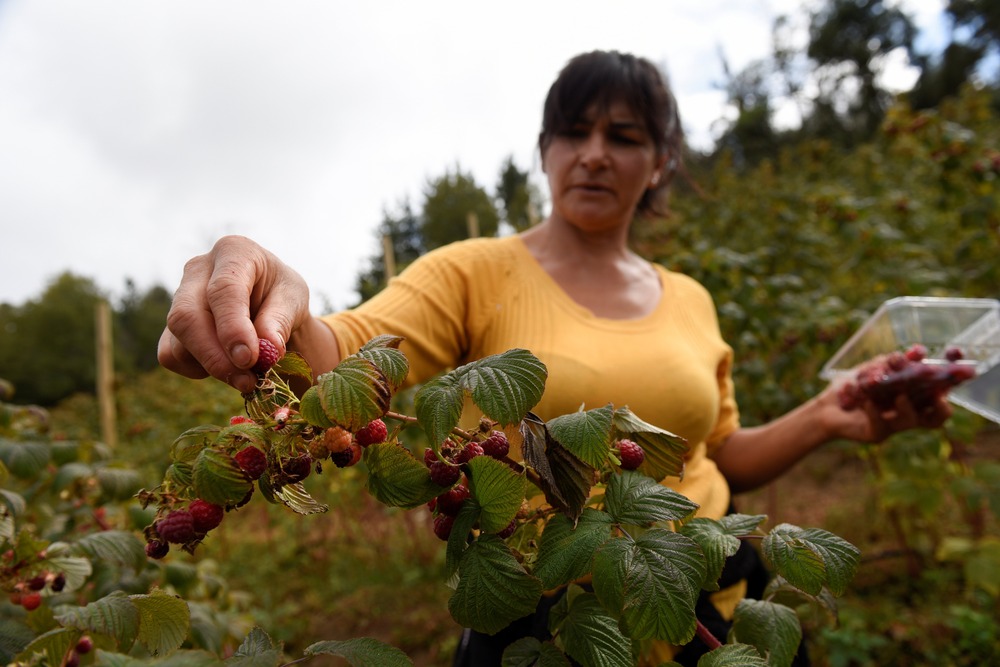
(937, 323)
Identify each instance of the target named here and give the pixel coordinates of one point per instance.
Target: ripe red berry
(207, 516)
(177, 527)
(442, 526)
(469, 452)
(444, 474)
(450, 502)
(58, 583)
(31, 601)
(496, 446)
(37, 583)
(239, 419)
(509, 530)
(296, 468)
(630, 454)
(953, 354)
(157, 549)
(84, 645)
(267, 356)
(375, 431)
(347, 457)
(916, 352)
(430, 457)
(252, 461)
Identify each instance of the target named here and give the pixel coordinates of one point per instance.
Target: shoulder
(683, 285)
(480, 249)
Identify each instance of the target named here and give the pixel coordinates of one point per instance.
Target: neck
(557, 238)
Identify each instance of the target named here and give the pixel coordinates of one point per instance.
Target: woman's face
(599, 168)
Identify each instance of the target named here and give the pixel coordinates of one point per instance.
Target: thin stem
(711, 641)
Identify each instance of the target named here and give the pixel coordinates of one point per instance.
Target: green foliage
(448, 202)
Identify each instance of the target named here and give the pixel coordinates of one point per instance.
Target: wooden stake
(105, 374)
(472, 221)
(388, 257)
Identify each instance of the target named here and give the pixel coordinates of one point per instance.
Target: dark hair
(604, 77)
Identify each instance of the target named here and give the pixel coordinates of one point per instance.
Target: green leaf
(256, 642)
(362, 652)
(840, 557)
(297, 499)
(458, 540)
(114, 615)
(586, 433)
(812, 558)
(311, 408)
(498, 490)
(354, 393)
(529, 652)
(164, 621)
(634, 499)
(566, 553)
(256, 650)
(14, 637)
(54, 644)
(185, 658)
(719, 540)
(293, 364)
(14, 502)
(493, 588)
(564, 479)
(591, 635)
(397, 479)
(664, 450)
(733, 655)
(218, 478)
(179, 476)
(651, 584)
(438, 406)
(24, 460)
(118, 484)
(114, 546)
(70, 473)
(189, 444)
(76, 569)
(773, 629)
(506, 385)
(384, 353)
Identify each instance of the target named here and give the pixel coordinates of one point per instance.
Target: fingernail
(244, 382)
(241, 355)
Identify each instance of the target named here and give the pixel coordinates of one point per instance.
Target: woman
(610, 326)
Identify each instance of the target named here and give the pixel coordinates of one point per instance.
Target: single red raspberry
(450, 502)
(37, 583)
(58, 583)
(509, 530)
(84, 645)
(267, 356)
(348, 457)
(336, 439)
(469, 452)
(631, 454)
(496, 446)
(252, 461)
(157, 549)
(31, 601)
(296, 468)
(430, 458)
(444, 474)
(239, 419)
(177, 527)
(375, 431)
(442, 526)
(207, 516)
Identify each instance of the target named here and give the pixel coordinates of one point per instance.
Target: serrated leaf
(179, 476)
(189, 444)
(114, 546)
(293, 364)
(506, 385)
(438, 406)
(566, 553)
(14, 637)
(586, 433)
(529, 652)
(184, 658)
(14, 502)
(773, 629)
(840, 557)
(114, 615)
(164, 621)
(297, 499)
(69, 473)
(498, 490)
(458, 540)
(24, 460)
(76, 569)
(354, 393)
(718, 542)
(811, 558)
(397, 479)
(362, 652)
(633, 498)
(54, 644)
(311, 408)
(119, 484)
(256, 642)
(217, 478)
(563, 478)
(664, 450)
(493, 588)
(384, 353)
(733, 655)
(651, 584)
(591, 636)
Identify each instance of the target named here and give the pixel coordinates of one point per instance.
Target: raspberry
(375, 431)
(953, 354)
(84, 645)
(37, 583)
(348, 457)
(267, 356)
(252, 461)
(296, 469)
(444, 474)
(917, 352)
(72, 660)
(336, 439)
(239, 419)
(469, 452)
(58, 583)
(207, 516)
(442, 526)
(631, 454)
(509, 530)
(430, 458)
(317, 449)
(177, 527)
(496, 446)
(31, 601)
(450, 502)
(157, 549)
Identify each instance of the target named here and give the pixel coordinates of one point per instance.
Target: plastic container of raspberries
(949, 331)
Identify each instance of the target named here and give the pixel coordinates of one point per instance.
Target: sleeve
(426, 304)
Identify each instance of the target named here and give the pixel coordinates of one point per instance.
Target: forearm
(317, 344)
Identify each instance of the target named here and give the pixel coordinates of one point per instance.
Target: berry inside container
(941, 325)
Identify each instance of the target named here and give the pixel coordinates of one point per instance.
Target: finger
(174, 357)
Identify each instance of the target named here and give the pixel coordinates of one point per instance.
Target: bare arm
(752, 457)
(228, 298)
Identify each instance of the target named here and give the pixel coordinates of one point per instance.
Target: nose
(594, 150)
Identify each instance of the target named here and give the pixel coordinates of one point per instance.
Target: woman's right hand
(229, 298)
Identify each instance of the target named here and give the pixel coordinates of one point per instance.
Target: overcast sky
(133, 133)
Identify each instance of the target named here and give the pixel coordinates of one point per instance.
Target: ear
(661, 164)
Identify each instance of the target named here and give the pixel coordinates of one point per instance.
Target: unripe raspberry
(317, 449)
(336, 439)
(442, 526)
(31, 601)
(157, 549)
(267, 356)
(207, 516)
(630, 454)
(496, 446)
(444, 474)
(469, 452)
(177, 527)
(239, 419)
(450, 502)
(348, 457)
(375, 431)
(252, 461)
